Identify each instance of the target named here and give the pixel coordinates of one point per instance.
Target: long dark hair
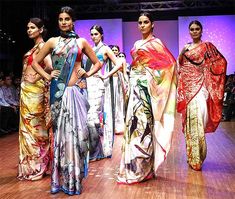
(39, 23)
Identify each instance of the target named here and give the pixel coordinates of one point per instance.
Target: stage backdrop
(220, 30)
(167, 31)
(125, 34)
(112, 30)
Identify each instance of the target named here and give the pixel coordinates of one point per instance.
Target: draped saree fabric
(200, 94)
(33, 128)
(69, 111)
(100, 120)
(150, 112)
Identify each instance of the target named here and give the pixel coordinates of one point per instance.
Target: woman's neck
(38, 40)
(197, 41)
(147, 36)
(98, 44)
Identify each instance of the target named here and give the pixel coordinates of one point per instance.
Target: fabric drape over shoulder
(202, 66)
(150, 112)
(160, 63)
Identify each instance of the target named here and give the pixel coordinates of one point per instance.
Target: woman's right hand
(54, 74)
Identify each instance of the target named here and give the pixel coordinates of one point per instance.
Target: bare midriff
(74, 76)
(30, 74)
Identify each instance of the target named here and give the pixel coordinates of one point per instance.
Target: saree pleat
(95, 116)
(194, 131)
(100, 120)
(33, 132)
(119, 103)
(71, 143)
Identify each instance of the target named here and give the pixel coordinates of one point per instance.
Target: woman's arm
(23, 70)
(46, 50)
(91, 54)
(118, 63)
(125, 70)
(47, 62)
(180, 57)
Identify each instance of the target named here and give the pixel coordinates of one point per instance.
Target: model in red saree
(201, 81)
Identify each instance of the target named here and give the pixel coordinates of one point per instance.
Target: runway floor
(175, 178)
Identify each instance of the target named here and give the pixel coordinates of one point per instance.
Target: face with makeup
(145, 25)
(121, 55)
(95, 36)
(115, 50)
(65, 22)
(195, 31)
(33, 31)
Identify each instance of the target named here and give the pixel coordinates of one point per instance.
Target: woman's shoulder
(137, 42)
(82, 40)
(208, 43)
(105, 48)
(52, 41)
(157, 40)
(187, 45)
(40, 45)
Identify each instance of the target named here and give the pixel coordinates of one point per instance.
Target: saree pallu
(150, 112)
(70, 164)
(108, 120)
(33, 131)
(119, 103)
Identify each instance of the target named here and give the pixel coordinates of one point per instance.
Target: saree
(34, 149)
(69, 108)
(200, 95)
(119, 102)
(150, 112)
(100, 120)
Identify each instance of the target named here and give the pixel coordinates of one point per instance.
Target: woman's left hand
(55, 74)
(81, 73)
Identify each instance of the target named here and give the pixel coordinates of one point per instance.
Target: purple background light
(166, 31)
(220, 30)
(112, 30)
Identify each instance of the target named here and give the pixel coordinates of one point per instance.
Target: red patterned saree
(203, 66)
